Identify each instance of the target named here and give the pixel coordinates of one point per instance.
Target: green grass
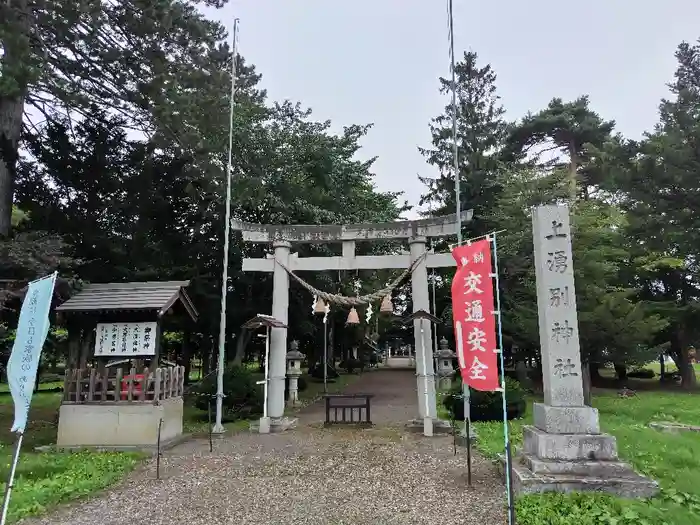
(4, 387)
(46, 479)
(671, 459)
(196, 422)
(670, 367)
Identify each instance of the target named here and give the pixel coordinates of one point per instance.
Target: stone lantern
(294, 359)
(445, 369)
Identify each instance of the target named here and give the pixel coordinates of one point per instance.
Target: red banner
(474, 317)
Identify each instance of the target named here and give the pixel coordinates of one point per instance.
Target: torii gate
(281, 236)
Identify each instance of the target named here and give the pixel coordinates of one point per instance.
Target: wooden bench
(345, 405)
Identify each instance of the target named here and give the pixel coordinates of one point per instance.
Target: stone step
(601, 469)
(626, 484)
(568, 447)
(400, 362)
(440, 426)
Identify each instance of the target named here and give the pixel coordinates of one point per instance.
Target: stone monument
(564, 450)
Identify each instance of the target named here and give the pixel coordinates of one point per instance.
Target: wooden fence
(92, 385)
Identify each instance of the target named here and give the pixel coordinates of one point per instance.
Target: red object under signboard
(138, 380)
(474, 317)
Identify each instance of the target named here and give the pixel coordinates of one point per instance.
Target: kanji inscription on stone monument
(565, 368)
(556, 304)
(559, 296)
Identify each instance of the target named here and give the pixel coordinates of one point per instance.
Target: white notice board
(125, 339)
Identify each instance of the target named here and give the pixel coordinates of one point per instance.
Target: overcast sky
(378, 61)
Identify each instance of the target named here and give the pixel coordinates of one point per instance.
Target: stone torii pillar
(278, 336)
(421, 301)
(416, 233)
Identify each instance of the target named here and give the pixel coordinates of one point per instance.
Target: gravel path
(309, 476)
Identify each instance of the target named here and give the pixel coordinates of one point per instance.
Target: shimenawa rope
(356, 301)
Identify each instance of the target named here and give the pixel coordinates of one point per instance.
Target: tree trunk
(521, 373)
(241, 344)
(621, 372)
(87, 345)
(685, 367)
(186, 356)
(662, 365)
(10, 129)
(573, 166)
(73, 348)
(595, 373)
(37, 381)
(206, 356)
(679, 353)
(586, 380)
(16, 61)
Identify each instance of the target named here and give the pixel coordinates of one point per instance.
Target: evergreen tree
(570, 128)
(660, 189)
(481, 130)
(156, 64)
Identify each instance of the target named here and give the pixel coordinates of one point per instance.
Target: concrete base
(266, 425)
(263, 425)
(531, 475)
(558, 462)
(568, 447)
(164, 445)
(461, 438)
(119, 425)
(427, 427)
(566, 420)
(440, 426)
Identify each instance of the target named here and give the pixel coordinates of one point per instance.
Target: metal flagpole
(218, 426)
(455, 151)
(427, 421)
(435, 332)
(458, 197)
(434, 309)
(506, 433)
(11, 478)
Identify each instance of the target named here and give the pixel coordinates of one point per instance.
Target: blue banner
(32, 329)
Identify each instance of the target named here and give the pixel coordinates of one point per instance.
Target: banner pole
(506, 436)
(467, 407)
(325, 356)
(11, 477)
(267, 371)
